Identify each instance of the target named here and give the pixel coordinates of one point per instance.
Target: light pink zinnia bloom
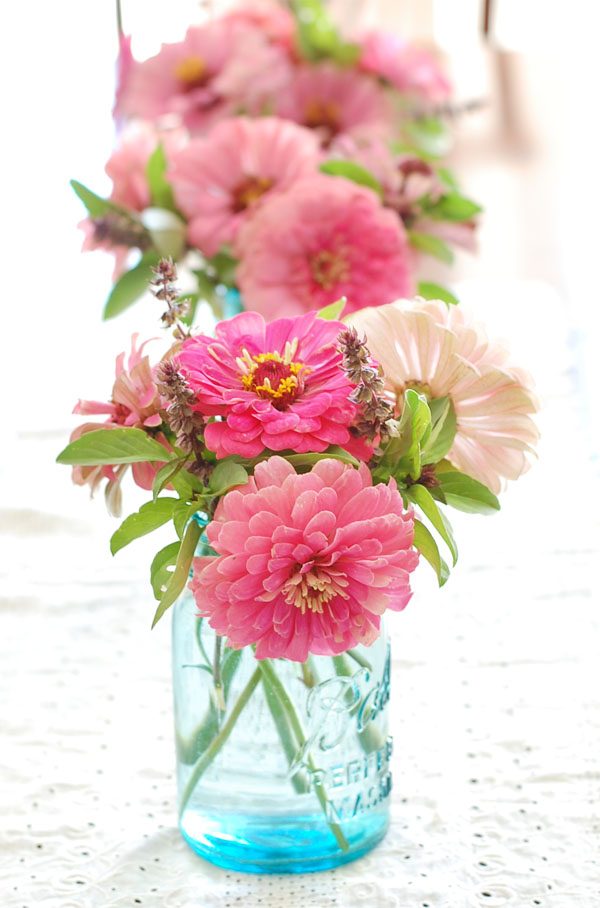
(334, 101)
(277, 386)
(433, 348)
(308, 563)
(409, 69)
(219, 180)
(127, 169)
(274, 21)
(135, 403)
(323, 239)
(218, 67)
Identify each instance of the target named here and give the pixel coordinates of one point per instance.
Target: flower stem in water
(218, 741)
(273, 680)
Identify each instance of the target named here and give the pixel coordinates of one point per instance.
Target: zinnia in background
(323, 239)
(334, 102)
(434, 349)
(308, 563)
(221, 179)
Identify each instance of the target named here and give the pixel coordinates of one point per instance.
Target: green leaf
(421, 496)
(353, 172)
(402, 455)
(425, 543)
(429, 135)
(225, 475)
(431, 245)
(150, 516)
(443, 430)
(130, 286)
(453, 207)
(181, 574)
(300, 461)
(317, 36)
(192, 300)
(465, 493)
(112, 446)
(333, 311)
(166, 474)
(431, 291)
(448, 178)
(161, 192)
(182, 512)
(96, 206)
(160, 575)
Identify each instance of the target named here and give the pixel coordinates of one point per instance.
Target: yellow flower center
(272, 376)
(192, 71)
(313, 589)
(249, 191)
(329, 268)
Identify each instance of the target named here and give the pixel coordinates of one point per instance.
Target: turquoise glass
(281, 767)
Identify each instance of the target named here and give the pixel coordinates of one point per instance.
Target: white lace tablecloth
(495, 704)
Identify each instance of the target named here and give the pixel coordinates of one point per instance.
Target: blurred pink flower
(409, 69)
(125, 63)
(219, 180)
(433, 347)
(135, 403)
(277, 385)
(308, 563)
(274, 21)
(91, 243)
(127, 168)
(335, 101)
(323, 239)
(217, 68)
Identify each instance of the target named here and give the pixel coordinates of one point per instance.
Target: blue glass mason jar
(281, 767)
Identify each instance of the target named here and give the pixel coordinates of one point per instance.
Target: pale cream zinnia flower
(432, 348)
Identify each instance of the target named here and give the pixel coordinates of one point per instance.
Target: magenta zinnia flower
(219, 180)
(308, 563)
(323, 239)
(277, 386)
(433, 348)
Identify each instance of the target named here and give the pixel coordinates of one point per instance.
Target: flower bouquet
(281, 166)
(306, 464)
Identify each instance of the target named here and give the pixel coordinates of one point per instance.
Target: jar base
(278, 844)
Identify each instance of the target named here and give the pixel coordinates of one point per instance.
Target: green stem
(218, 680)
(218, 741)
(308, 675)
(354, 654)
(286, 736)
(269, 673)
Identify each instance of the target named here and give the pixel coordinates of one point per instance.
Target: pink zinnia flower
(323, 239)
(334, 101)
(276, 23)
(277, 386)
(218, 67)
(135, 403)
(433, 348)
(308, 563)
(409, 69)
(219, 180)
